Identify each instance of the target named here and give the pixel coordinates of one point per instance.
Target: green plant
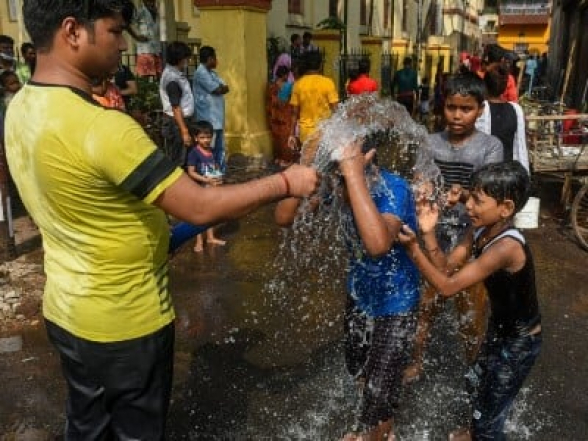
(147, 98)
(331, 23)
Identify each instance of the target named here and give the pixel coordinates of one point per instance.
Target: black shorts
(377, 351)
(119, 389)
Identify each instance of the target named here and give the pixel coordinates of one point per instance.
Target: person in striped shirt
(458, 152)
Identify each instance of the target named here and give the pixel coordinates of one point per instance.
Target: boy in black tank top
(503, 261)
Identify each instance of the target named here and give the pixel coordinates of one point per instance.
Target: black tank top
(503, 125)
(513, 296)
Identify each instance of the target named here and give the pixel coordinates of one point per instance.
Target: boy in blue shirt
(383, 287)
(203, 168)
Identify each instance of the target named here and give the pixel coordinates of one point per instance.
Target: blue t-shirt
(204, 163)
(388, 284)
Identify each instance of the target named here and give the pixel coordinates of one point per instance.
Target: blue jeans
(498, 374)
(218, 150)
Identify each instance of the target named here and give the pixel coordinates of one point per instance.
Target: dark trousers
(502, 367)
(174, 147)
(116, 391)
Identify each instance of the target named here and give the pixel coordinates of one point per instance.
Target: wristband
(286, 182)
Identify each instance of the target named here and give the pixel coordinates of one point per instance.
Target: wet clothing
(377, 290)
(512, 344)
(457, 164)
(89, 182)
(380, 321)
(131, 380)
(377, 350)
(513, 296)
(313, 94)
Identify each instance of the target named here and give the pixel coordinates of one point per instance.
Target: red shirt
(362, 84)
(510, 94)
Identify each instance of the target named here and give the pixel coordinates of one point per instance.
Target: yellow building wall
(244, 71)
(536, 36)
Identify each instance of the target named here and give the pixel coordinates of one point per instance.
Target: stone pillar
(329, 41)
(237, 29)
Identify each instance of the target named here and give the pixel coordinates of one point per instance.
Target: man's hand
(293, 143)
(303, 181)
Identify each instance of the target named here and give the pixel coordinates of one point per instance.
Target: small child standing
(202, 167)
(503, 261)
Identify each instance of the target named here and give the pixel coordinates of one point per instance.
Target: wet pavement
(259, 353)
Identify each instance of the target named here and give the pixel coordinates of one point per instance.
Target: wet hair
(496, 79)
(42, 18)
(201, 126)
(502, 181)
(281, 71)
(25, 47)
(176, 52)
(205, 53)
(466, 84)
(312, 60)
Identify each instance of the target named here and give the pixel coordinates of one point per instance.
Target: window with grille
(333, 8)
(295, 6)
(363, 12)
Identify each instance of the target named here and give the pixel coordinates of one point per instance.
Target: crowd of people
(100, 191)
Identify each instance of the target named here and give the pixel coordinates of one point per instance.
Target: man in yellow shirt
(314, 98)
(98, 188)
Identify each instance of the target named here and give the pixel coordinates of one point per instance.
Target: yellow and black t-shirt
(88, 176)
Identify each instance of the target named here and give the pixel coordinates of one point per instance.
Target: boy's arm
(191, 170)
(376, 230)
(499, 256)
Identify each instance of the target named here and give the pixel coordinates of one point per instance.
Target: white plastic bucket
(528, 217)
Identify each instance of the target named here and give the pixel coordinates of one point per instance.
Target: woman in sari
(279, 116)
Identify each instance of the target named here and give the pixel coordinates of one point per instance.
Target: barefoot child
(202, 167)
(383, 288)
(502, 260)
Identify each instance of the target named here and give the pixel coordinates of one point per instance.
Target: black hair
(6, 39)
(502, 181)
(25, 47)
(364, 66)
(496, 79)
(407, 61)
(306, 35)
(176, 52)
(205, 53)
(312, 60)
(466, 84)
(5, 75)
(281, 71)
(199, 127)
(42, 18)
(294, 37)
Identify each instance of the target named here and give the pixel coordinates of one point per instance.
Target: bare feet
(412, 373)
(217, 242)
(198, 248)
(460, 435)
